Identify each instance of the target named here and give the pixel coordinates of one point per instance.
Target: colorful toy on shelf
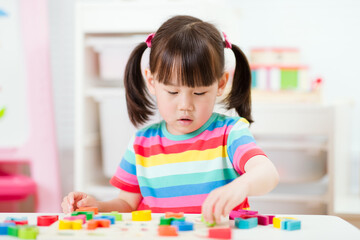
(142, 215)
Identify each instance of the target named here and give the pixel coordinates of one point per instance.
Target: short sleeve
(125, 177)
(241, 145)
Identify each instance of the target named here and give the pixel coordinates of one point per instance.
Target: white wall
(326, 32)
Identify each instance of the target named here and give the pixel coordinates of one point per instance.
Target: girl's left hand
(222, 200)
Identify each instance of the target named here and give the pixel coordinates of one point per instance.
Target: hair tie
(227, 42)
(149, 38)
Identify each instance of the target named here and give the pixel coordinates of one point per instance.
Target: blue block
(290, 225)
(16, 219)
(246, 223)
(4, 227)
(111, 218)
(183, 225)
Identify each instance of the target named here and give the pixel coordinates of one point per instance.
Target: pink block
(72, 218)
(239, 213)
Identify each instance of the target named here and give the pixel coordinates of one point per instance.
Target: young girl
(195, 160)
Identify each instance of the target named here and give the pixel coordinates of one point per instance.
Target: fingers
(208, 207)
(70, 201)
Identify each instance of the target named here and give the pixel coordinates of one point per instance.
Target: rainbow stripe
(177, 172)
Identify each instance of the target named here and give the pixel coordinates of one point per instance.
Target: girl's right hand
(75, 200)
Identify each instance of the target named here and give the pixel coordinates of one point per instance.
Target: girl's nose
(186, 103)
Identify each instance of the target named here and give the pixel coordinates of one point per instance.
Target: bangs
(191, 63)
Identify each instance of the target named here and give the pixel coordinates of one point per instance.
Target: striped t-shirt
(175, 173)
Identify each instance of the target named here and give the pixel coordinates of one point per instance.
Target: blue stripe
(128, 167)
(183, 190)
(239, 142)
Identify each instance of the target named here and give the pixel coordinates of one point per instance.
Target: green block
(289, 79)
(165, 221)
(207, 223)
(13, 231)
(28, 232)
(89, 215)
(2, 112)
(117, 215)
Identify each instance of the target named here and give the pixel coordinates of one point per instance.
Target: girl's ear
(149, 81)
(222, 84)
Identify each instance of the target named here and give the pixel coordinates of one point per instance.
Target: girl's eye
(199, 94)
(172, 93)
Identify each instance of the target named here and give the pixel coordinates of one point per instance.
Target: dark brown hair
(190, 51)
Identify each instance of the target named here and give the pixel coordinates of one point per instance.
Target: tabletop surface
(312, 227)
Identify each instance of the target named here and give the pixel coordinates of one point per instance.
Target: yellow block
(143, 215)
(64, 224)
(277, 221)
(77, 224)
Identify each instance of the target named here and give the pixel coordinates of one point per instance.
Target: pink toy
(220, 233)
(239, 213)
(72, 218)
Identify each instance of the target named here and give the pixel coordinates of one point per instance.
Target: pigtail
(138, 102)
(240, 94)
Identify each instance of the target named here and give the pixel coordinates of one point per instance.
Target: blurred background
(304, 57)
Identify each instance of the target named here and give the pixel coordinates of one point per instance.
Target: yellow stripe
(187, 156)
(244, 120)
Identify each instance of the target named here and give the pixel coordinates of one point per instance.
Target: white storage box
(116, 129)
(114, 53)
(298, 166)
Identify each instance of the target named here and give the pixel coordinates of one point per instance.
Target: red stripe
(177, 148)
(246, 157)
(116, 182)
(194, 209)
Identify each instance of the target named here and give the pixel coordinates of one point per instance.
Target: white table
(317, 227)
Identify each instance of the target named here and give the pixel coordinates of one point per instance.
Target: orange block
(95, 223)
(174, 215)
(167, 230)
(88, 209)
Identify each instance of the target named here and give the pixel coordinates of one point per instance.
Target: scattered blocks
(28, 232)
(89, 215)
(70, 224)
(220, 233)
(277, 221)
(96, 223)
(88, 209)
(17, 221)
(4, 227)
(167, 231)
(246, 222)
(174, 215)
(207, 223)
(183, 225)
(290, 225)
(143, 215)
(117, 215)
(111, 218)
(47, 220)
(239, 213)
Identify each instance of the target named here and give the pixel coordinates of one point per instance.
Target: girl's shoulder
(149, 130)
(230, 120)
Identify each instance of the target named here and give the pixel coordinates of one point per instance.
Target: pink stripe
(146, 142)
(240, 151)
(126, 177)
(184, 201)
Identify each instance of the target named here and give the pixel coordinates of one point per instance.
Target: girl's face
(185, 109)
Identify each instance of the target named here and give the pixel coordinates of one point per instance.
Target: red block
(220, 233)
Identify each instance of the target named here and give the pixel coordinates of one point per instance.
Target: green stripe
(191, 178)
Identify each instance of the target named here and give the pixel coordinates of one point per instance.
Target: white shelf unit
(114, 19)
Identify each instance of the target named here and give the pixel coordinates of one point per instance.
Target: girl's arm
(260, 177)
(125, 202)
